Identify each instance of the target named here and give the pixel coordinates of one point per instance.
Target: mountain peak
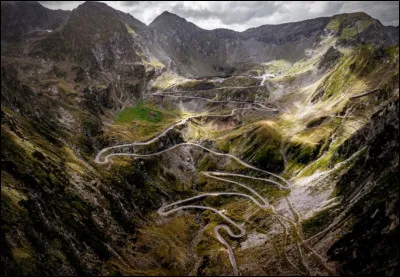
(164, 13)
(94, 15)
(354, 17)
(93, 4)
(167, 17)
(169, 14)
(97, 6)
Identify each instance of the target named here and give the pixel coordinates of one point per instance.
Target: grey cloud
(237, 12)
(63, 5)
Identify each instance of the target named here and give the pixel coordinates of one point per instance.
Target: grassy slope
(138, 112)
(355, 73)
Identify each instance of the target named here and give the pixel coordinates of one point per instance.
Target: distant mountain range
(177, 43)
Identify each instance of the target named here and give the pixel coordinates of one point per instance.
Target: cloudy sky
(241, 15)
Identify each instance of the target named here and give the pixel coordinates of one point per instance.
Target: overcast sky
(241, 15)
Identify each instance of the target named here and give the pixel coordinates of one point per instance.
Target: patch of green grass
(359, 70)
(333, 25)
(153, 62)
(138, 129)
(393, 51)
(167, 80)
(274, 193)
(208, 164)
(317, 222)
(138, 112)
(258, 142)
(345, 75)
(291, 169)
(348, 33)
(189, 84)
(130, 30)
(362, 24)
(302, 66)
(321, 163)
(21, 253)
(277, 66)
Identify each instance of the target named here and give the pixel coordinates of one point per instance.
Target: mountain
(20, 18)
(96, 43)
(392, 33)
(192, 51)
(167, 149)
(202, 52)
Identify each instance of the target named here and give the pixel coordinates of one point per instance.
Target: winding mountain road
(263, 107)
(178, 123)
(220, 88)
(254, 196)
(265, 77)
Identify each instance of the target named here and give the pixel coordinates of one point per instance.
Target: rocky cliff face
(325, 118)
(372, 184)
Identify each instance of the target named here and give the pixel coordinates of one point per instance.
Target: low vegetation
(139, 112)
